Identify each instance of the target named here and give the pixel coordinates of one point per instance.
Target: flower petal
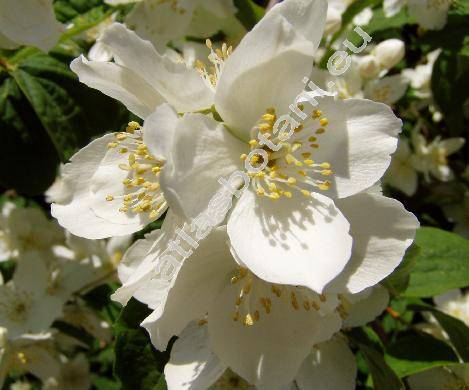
(77, 214)
(196, 285)
(269, 353)
(192, 364)
(354, 125)
(159, 129)
(183, 88)
(271, 60)
(432, 16)
(382, 230)
(138, 266)
(290, 241)
(203, 151)
(160, 22)
(119, 83)
(365, 306)
(330, 366)
(30, 22)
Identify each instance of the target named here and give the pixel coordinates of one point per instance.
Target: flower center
(291, 167)
(15, 304)
(216, 58)
(257, 297)
(142, 189)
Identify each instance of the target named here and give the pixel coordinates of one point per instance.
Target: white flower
(291, 200)
(388, 89)
(164, 21)
(432, 158)
(58, 191)
(365, 78)
(402, 174)
(115, 185)
(454, 377)
(245, 315)
(28, 22)
(329, 364)
(227, 317)
(335, 10)
(26, 306)
(20, 385)
(454, 303)
(27, 229)
(27, 355)
(430, 14)
(389, 52)
(74, 375)
(142, 78)
(420, 77)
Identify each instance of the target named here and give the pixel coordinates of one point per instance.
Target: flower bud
(388, 53)
(368, 66)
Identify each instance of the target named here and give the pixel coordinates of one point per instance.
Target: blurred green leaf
(417, 352)
(398, 281)
(450, 72)
(137, 364)
(383, 375)
(249, 13)
(457, 330)
(441, 265)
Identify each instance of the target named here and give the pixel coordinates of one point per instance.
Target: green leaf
(417, 352)
(383, 375)
(398, 281)
(70, 112)
(249, 13)
(457, 330)
(441, 265)
(450, 71)
(137, 364)
(27, 147)
(55, 109)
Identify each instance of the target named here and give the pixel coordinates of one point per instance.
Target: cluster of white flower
(268, 267)
(52, 270)
(298, 255)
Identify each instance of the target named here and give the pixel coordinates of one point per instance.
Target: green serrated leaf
(383, 375)
(418, 352)
(441, 265)
(137, 364)
(55, 109)
(457, 331)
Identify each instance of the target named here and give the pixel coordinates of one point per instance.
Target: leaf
(398, 281)
(450, 71)
(137, 364)
(70, 112)
(383, 375)
(417, 352)
(26, 146)
(55, 109)
(249, 13)
(457, 330)
(441, 265)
